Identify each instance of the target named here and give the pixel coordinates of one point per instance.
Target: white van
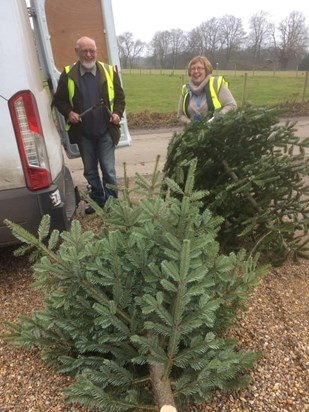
(33, 178)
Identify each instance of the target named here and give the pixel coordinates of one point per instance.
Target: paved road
(141, 156)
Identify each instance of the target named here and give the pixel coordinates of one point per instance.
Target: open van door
(57, 25)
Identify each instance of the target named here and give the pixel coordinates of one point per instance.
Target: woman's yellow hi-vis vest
(109, 74)
(214, 84)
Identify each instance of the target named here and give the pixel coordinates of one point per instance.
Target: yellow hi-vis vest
(109, 74)
(212, 91)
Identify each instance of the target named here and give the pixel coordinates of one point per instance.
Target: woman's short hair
(204, 61)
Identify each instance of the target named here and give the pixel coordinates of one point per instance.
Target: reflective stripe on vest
(215, 83)
(110, 87)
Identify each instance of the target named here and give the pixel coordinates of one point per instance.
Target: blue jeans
(95, 152)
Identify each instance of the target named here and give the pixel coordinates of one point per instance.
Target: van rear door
(57, 25)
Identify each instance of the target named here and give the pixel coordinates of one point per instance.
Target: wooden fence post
(305, 87)
(244, 90)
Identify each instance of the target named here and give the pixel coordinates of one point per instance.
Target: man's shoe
(89, 210)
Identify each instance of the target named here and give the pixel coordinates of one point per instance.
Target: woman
(204, 95)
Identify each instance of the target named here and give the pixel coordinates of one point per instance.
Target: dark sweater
(94, 123)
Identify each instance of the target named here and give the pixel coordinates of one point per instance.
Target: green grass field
(158, 91)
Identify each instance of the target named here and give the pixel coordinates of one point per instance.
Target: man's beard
(88, 65)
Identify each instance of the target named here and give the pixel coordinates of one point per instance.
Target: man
(85, 84)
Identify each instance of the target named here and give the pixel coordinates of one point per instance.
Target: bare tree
(161, 46)
(293, 38)
(178, 45)
(260, 34)
(210, 32)
(205, 39)
(129, 49)
(195, 42)
(232, 35)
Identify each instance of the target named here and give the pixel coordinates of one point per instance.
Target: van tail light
(30, 140)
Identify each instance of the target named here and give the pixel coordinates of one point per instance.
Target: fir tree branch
(20, 233)
(253, 202)
(178, 308)
(103, 299)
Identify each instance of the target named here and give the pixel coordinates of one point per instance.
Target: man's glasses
(86, 51)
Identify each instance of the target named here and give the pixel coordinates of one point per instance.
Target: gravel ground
(276, 323)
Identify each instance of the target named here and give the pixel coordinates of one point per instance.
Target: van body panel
(23, 61)
(21, 71)
(11, 172)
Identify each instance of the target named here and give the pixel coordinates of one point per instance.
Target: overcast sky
(144, 18)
